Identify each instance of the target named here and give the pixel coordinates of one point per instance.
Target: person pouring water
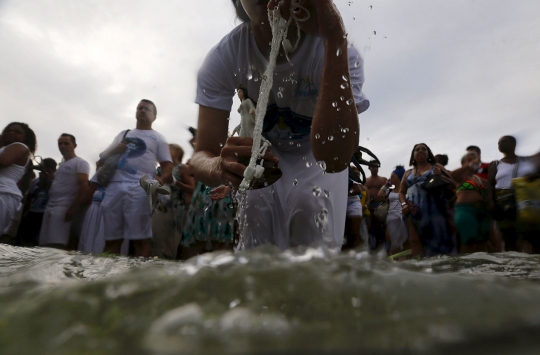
(311, 121)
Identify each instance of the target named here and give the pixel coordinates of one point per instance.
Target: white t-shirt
(64, 187)
(236, 60)
(145, 148)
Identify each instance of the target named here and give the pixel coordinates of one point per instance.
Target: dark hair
(244, 91)
(442, 159)
(512, 138)
(71, 136)
(29, 136)
(153, 104)
(49, 163)
(240, 12)
(475, 148)
(431, 158)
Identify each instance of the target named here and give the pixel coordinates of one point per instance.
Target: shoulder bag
(105, 174)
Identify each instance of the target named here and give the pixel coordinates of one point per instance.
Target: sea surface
(264, 301)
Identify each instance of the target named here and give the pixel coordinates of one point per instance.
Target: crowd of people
(304, 195)
(474, 208)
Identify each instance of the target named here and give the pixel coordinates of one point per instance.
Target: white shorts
(125, 212)
(54, 228)
(288, 213)
(354, 207)
(9, 206)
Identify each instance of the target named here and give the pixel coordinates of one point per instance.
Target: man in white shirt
(125, 206)
(66, 196)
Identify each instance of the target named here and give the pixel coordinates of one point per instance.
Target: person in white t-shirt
(66, 197)
(125, 206)
(312, 116)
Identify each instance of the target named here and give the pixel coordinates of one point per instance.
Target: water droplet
(304, 158)
(344, 77)
(295, 182)
(309, 164)
(272, 191)
(249, 76)
(357, 64)
(349, 101)
(344, 85)
(334, 104)
(374, 33)
(265, 184)
(280, 89)
(316, 191)
(335, 158)
(231, 205)
(291, 143)
(322, 164)
(317, 136)
(256, 79)
(234, 303)
(280, 94)
(235, 153)
(354, 18)
(330, 138)
(321, 219)
(338, 53)
(342, 98)
(298, 145)
(344, 130)
(327, 193)
(338, 109)
(349, 3)
(220, 145)
(367, 48)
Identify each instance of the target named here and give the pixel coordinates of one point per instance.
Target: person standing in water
(311, 117)
(66, 197)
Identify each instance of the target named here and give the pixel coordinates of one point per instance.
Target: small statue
(254, 175)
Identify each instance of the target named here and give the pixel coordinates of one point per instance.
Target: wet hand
(232, 172)
(220, 192)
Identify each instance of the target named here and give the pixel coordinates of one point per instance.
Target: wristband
(403, 204)
(384, 188)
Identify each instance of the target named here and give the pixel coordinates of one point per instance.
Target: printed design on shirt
(305, 89)
(283, 123)
(136, 147)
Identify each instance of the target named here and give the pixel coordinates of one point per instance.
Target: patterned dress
(434, 227)
(208, 220)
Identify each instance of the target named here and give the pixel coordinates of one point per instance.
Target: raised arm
(331, 113)
(14, 154)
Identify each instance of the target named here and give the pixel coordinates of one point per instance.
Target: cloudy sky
(447, 73)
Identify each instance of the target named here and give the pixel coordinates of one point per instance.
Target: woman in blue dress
(426, 212)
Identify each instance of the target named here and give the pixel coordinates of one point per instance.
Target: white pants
(289, 212)
(9, 206)
(125, 212)
(54, 228)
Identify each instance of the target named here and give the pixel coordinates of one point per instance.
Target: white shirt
(236, 60)
(65, 186)
(145, 148)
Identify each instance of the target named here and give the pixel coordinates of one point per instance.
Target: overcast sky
(447, 73)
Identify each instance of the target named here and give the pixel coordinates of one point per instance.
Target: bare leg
(414, 240)
(113, 246)
(143, 247)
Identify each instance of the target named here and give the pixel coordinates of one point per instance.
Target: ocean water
(268, 302)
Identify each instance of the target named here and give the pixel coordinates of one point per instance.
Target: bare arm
(187, 183)
(14, 154)
(328, 120)
(492, 173)
(80, 199)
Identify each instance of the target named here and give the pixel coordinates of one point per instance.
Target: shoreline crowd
(303, 190)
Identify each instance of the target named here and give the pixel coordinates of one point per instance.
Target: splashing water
(279, 28)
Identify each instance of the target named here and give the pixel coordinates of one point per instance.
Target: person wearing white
(14, 157)
(125, 206)
(312, 116)
(66, 196)
(395, 225)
